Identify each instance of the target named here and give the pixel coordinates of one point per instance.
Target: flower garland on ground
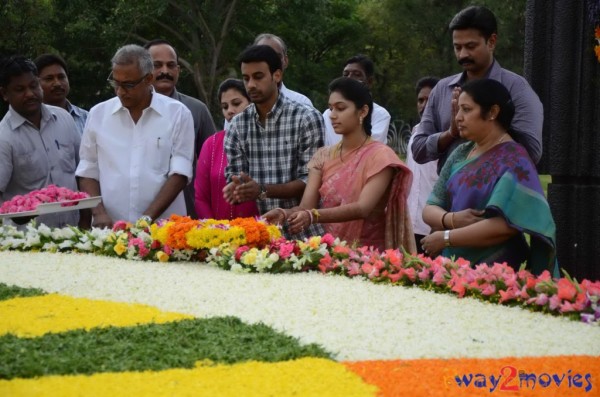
(250, 245)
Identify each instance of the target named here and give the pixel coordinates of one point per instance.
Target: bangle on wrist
(283, 212)
(310, 216)
(444, 217)
(447, 238)
(452, 221)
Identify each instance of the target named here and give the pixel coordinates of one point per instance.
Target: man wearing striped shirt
(269, 144)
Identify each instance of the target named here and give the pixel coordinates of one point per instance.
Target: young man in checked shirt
(269, 144)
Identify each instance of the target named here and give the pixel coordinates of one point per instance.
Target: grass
(148, 347)
(12, 291)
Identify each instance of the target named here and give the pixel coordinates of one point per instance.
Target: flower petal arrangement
(249, 245)
(30, 201)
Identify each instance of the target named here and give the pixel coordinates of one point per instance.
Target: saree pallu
(504, 182)
(388, 225)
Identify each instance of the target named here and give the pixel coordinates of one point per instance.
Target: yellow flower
(120, 248)
(162, 256)
(314, 242)
(111, 238)
(249, 257)
(274, 232)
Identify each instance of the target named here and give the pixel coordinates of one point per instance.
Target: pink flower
(120, 225)
(239, 252)
(328, 239)
(286, 249)
(566, 289)
(540, 300)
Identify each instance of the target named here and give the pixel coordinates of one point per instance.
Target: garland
(250, 245)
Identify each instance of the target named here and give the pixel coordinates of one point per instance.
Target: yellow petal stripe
(303, 377)
(35, 316)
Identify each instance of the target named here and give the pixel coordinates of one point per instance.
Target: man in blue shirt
(474, 36)
(54, 80)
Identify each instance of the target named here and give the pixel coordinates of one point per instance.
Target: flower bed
(405, 341)
(248, 245)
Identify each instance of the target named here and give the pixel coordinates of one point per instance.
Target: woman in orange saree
(356, 189)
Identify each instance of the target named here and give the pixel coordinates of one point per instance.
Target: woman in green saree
(489, 195)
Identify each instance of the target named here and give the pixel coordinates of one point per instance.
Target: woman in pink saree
(356, 189)
(210, 171)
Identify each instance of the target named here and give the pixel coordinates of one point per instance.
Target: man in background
(54, 79)
(361, 68)
(277, 43)
(474, 35)
(424, 175)
(166, 74)
(39, 144)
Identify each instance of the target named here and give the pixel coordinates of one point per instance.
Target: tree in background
(406, 38)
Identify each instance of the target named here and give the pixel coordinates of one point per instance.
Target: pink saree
(388, 225)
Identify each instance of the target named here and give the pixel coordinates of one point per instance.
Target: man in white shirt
(137, 148)
(424, 175)
(361, 68)
(277, 43)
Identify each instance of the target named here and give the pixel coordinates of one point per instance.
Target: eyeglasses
(126, 86)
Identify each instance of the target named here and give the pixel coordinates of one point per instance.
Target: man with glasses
(39, 144)
(166, 74)
(135, 150)
(54, 80)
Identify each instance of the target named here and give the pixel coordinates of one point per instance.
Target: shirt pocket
(30, 167)
(66, 157)
(158, 154)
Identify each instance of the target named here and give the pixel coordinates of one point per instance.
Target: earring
(360, 120)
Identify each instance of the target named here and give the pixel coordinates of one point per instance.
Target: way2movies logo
(512, 379)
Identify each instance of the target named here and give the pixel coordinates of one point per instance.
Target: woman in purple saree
(489, 195)
(356, 189)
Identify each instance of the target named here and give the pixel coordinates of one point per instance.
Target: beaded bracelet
(315, 212)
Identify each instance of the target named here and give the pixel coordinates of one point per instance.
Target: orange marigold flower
(176, 236)
(597, 50)
(257, 234)
(597, 32)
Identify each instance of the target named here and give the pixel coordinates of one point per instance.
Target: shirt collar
(16, 120)
(155, 103)
(73, 110)
(493, 72)
(275, 110)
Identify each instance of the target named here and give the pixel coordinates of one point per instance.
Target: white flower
(51, 246)
(84, 246)
(66, 244)
(44, 230)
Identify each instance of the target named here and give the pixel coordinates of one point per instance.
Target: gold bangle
(315, 212)
(452, 220)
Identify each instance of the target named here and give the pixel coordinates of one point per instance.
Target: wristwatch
(262, 196)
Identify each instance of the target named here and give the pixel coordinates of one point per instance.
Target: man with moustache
(270, 143)
(474, 36)
(136, 148)
(166, 74)
(39, 144)
(54, 80)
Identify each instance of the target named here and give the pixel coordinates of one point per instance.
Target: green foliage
(407, 39)
(12, 291)
(148, 347)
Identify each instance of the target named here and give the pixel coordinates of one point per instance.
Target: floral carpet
(345, 336)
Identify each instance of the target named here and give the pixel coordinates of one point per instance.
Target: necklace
(353, 150)
(475, 147)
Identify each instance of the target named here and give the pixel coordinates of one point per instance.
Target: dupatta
(389, 225)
